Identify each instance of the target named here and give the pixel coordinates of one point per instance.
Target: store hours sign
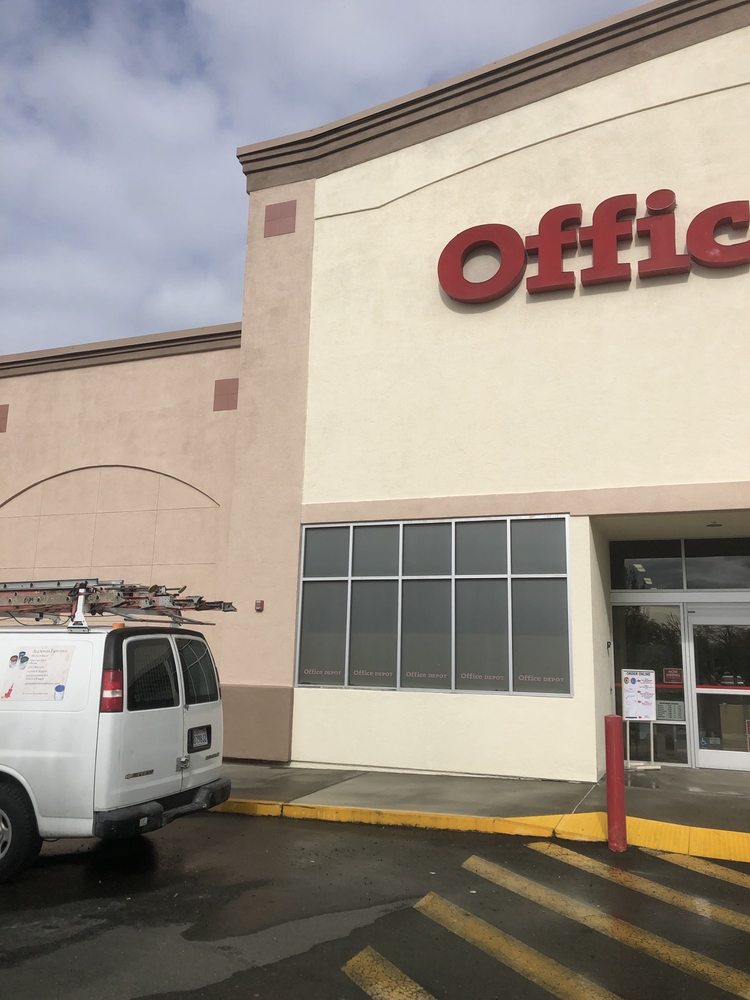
(639, 695)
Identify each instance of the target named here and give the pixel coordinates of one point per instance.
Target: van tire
(20, 842)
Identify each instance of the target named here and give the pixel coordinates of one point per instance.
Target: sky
(123, 209)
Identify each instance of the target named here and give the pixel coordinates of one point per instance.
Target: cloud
(121, 203)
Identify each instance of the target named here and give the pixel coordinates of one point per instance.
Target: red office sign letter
(701, 238)
(508, 275)
(554, 236)
(611, 226)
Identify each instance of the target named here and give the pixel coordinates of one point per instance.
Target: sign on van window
(36, 673)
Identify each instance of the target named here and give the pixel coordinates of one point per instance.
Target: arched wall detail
(85, 468)
(112, 522)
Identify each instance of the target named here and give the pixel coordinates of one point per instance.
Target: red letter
(610, 226)
(701, 239)
(658, 225)
(452, 260)
(549, 244)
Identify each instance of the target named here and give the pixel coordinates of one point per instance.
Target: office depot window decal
(473, 605)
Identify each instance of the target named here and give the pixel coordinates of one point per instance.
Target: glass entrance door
(720, 652)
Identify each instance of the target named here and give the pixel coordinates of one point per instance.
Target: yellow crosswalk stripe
(703, 867)
(687, 961)
(533, 965)
(381, 980)
(693, 904)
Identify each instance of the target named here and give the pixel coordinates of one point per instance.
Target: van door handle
(183, 763)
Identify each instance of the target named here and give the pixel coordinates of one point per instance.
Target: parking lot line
(687, 961)
(531, 964)
(673, 897)
(380, 979)
(703, 867)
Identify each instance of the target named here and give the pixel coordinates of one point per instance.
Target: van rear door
(140, 743)
(203, 720)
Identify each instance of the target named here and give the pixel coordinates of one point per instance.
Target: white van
(108, 732)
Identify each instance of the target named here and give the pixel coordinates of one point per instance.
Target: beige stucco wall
(550, 737)
(413, 396)
(119, 471)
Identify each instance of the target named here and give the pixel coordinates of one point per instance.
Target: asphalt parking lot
(224, 906)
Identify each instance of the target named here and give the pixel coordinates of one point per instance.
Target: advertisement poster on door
(639, 695)
(36, 674)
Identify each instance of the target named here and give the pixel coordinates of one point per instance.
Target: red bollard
(617, 836)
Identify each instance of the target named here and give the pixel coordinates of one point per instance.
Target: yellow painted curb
(533, 826)
(672, 838)
(582, 826)
(249, 807)
(727, 845)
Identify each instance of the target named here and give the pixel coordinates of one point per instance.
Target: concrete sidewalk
(681, 810)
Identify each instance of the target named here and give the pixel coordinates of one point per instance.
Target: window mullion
(453, 606)
(348, 607)
(400, 601)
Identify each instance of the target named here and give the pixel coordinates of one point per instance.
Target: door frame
(720, 613)
(700, 602)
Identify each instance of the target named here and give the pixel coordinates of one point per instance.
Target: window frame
(509, 576)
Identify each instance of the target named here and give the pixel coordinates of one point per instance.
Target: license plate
(199, 738)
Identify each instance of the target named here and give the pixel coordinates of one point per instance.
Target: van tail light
(111, 699)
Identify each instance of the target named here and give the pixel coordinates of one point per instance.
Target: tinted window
(375, 550)
(426, 634)
(537, 546)
(323, 635)
(482, 635)
(540, 636)
(151, 675)
(649, 565)
(437, 605)
(717, 563)
(480, 547)
(198, 672)
(327, 552)
(373, 642)
(427, 550)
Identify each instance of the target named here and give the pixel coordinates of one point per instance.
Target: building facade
(480, 441)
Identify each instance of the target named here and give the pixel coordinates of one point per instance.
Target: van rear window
(198, 671)
(151, 675)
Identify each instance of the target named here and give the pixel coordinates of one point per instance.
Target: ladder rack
(74, 599)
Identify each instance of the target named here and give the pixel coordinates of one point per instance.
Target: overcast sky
(123, 207)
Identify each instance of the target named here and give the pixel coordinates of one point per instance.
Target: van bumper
(146, 816)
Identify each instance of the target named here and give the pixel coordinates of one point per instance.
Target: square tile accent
(4, 407)
(280, 218)
(226, 391)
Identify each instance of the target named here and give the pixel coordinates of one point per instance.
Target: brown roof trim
(618, 43)
(110, 352)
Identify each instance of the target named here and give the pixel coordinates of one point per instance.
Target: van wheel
(20, 842)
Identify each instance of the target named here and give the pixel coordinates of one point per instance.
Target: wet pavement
(225, 906)
(704, 798)
(702, 813)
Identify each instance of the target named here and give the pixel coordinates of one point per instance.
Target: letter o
(512, 263)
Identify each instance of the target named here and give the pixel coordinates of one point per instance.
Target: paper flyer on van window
(36, 673)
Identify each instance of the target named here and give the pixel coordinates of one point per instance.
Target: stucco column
(264, 536)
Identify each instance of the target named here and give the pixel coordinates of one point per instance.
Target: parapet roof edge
(107, 352)
(638, 35)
